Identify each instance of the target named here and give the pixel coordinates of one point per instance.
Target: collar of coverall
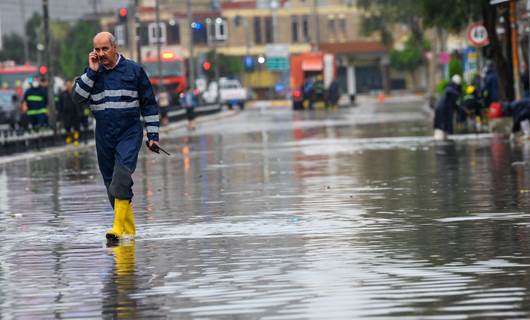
(116, 64)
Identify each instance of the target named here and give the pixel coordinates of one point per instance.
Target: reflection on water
(120, 284)
(348, 214)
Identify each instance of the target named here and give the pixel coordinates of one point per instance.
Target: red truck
(173, 74)
(317, 67)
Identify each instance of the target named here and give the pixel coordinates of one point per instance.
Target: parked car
(231, 93)
(9, 112)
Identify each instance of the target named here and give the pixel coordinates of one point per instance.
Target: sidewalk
(32, 154)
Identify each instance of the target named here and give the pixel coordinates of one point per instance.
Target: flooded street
(348, 214)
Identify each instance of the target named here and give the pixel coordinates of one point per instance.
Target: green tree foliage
(455, 66)
(451, 15)
(13, 48)
(407, 59)
(382, 16)
(229, 66)
(410, 57)
(34, 36)
(73, 50)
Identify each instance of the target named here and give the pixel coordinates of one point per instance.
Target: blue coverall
(117, 98)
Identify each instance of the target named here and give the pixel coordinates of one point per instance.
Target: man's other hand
(153, 145)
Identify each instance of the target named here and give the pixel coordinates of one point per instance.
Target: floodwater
(349, 214)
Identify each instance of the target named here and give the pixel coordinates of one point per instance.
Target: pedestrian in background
(473, 107)
(118, 92)
(163, 103)
(445, 108)
(332, 94)
(491, 86)
(35, 104)
(70, 113)
(190, 101)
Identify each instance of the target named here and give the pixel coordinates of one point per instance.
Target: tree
(74, 49)
(34, 36)
(410, 57)
(13, 48)
(229, 66)
(454, 15)
(382, 15)
(451, 15)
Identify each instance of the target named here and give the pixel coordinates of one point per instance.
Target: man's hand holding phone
(93, 61)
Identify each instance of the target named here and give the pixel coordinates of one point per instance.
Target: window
(342, 25)
(173, 32)
(269, 30)
(295, 37)
(144, 35)
(331, 25)
(305, 29)
(157, 34)
(120, 31)
(257, 30)
(221, 28)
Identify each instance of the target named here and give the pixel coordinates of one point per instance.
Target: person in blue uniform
(36, 104)
(118, 93)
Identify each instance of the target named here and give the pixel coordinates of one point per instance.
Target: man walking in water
(118, 92)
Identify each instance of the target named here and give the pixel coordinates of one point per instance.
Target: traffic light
(43, 70)
(122, 14)
(248, 63)
(197, 25)
(206, 66)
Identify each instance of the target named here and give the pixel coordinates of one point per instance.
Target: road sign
(277, 57)
(277, 63)
(477, 35)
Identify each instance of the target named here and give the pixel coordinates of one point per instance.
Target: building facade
(243, 28)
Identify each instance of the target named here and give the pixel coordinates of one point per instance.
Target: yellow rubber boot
(120, 210)
(129, 228)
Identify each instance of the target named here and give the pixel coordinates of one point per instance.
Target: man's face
(105, 50)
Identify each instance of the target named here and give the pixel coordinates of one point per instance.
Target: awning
(312, 64)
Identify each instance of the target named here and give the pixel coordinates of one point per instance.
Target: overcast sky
(11, 10)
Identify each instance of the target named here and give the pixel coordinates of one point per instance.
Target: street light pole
(47, 56)
(316, 22)
(24, 36)
(528, 14)
(158, 49)
(191, 64)
(274, 7)
(137, 32)
(515, 51)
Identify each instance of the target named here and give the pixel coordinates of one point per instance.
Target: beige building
(245, 28)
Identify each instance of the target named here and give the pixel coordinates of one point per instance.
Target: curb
(91, 143)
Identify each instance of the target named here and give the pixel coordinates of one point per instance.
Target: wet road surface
(348, 214)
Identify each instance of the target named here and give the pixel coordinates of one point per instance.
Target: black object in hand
(156, 148)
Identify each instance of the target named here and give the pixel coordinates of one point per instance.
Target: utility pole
(316, 23)
(47, 56)
(137, 32)
(515, 50)
(158, 49)
(274, 7)
(24, 36)
(191, 64)
(528, 14)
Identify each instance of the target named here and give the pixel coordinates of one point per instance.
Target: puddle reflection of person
(118, 304)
